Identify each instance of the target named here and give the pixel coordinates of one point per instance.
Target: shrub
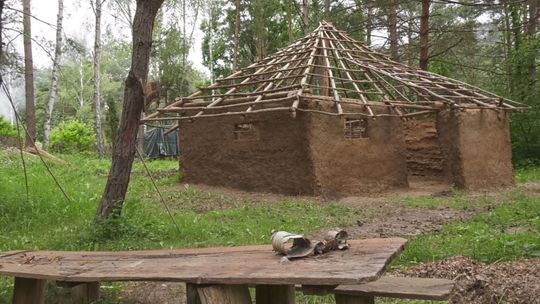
(7, 129)
(72, 136)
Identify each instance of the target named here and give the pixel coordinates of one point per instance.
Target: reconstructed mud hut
(328, 115)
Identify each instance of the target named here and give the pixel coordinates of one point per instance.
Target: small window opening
(356, 128)
(245, 132)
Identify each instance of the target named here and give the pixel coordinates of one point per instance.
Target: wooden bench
(394, 287)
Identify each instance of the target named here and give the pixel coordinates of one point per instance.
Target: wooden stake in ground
(29, 76)
(122, 160)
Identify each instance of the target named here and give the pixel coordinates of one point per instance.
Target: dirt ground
(506, 282)
(515, 282)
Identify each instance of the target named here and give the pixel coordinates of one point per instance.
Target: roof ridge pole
(331, 76)
(362, 97)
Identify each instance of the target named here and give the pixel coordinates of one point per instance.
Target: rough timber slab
(401, 288)
(363, 262)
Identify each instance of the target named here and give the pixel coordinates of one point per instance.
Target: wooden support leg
(347, 299)
(29, 291)
(85, 293)
(78, 292)
(275, 294)
(224, 294)
(192, 297)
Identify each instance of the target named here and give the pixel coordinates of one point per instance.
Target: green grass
(527, 174)
(46, 220)
(508, 230)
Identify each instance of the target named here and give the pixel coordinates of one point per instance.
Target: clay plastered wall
(477, 147)
(277, 161)
(424, 156)
(349, 166)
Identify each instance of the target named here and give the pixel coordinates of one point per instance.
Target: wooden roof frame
(329, 65)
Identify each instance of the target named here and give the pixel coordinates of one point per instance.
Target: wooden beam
(29, 291)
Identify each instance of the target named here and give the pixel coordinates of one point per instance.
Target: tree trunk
(424, 32)
(124, 153)
(369, 21)
(289, 20)
(393, 30)
(305, 15)
(236, 36)
(326, 8)
(29, 76)
(534, 11)
(1, 31)
(211, 38)
(508, 46)
(54, 78)
(97, 78)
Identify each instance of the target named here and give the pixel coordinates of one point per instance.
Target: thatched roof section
(329, 65)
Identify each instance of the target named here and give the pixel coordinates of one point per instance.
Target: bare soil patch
(514, 282)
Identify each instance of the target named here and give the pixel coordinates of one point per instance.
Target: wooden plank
(402, 288)
(29, 291)
(363, 262)
(274, 294)
(347, 299)
(224, 294)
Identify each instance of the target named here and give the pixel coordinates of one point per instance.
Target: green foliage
(7, 129)
(509, 231)
(72, 136)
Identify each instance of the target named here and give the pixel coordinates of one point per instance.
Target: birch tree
(29, 76)
(54, 78)
(97, 5)
(236, 36)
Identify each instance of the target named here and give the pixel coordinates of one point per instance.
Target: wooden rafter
(356, 76)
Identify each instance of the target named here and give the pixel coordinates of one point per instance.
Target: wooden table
(218, 275)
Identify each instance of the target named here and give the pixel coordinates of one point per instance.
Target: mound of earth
(514, 282)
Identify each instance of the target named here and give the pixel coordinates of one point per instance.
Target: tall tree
(1, 31)
(534, 11)
(305, 15)
(393, 30)
(424, 33)
(288, 10)
(125, 148)
(97, 5)
(54, 79)
(369, 21)
(29, 75)
(236, 36)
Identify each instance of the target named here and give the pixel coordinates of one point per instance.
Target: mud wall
(424, 156)
(476, 147)
(361, 165)
(272, 156)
